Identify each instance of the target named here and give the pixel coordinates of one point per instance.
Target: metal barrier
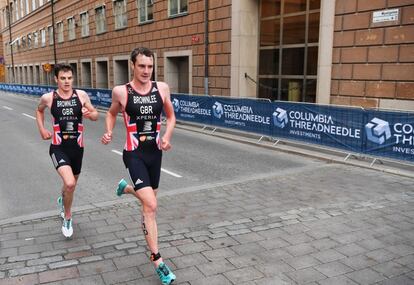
(356, 130)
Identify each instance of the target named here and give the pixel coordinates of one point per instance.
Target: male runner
(141, 102)
(67, 107)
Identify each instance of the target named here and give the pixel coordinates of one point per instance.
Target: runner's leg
(149, 225)
(69, 184)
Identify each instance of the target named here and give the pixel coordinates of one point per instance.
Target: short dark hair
(62, 67)
(141, 50)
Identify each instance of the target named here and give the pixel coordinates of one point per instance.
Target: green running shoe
(165, 274)
(61, 208)
(122, 184)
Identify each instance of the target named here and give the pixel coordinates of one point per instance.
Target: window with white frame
(29, 40)
(5, 19)
(71, 28)
(100, 19)
(59, 28)
(22, 8)
(27, 7)
(16, 11)
(16, 44)
(145, 13)
(177, 7)
(34, 2)
(35, 39)
(43, 37)
(51, 36)
(40, 3)
(120, 13)
(84, 21)
(23, 44)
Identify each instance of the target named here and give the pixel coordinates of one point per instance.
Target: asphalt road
(30, 185)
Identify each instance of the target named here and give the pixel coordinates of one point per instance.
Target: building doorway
(178, 73)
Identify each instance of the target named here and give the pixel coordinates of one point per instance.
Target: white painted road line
(7, 108)
(162, 169)
(117, 152)
(29, 116)
(171, 173)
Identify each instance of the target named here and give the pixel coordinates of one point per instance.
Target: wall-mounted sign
(195, 39)
(385, 16)
(47, 67)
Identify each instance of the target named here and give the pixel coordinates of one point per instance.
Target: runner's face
(64, 80)
(143, 68)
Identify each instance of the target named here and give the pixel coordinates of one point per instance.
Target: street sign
(47, 67)
(385, 15)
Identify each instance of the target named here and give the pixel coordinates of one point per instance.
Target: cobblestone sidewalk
(334, 224)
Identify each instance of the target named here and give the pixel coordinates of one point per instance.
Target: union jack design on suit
(56, 139)
(131, 139)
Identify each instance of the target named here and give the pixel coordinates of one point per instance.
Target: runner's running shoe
(61, 207)
(165, 274)
(67, 229)
(121, 187)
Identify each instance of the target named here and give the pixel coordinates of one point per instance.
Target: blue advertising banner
(389, 134)
(102, 97)
(324, 125)
(376, 133)
(192, 108)
(244, 114)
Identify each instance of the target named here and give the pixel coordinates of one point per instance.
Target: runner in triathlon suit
(67, 107)
(141, 102)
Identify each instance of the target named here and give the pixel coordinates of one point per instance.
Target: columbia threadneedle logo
(280, 118)
(378, 131)
(176, 104)
(218, 110)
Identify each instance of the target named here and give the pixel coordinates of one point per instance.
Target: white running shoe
(67, 229)
(61, 208)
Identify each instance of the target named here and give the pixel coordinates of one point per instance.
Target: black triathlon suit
(67, 138)
(142, 152)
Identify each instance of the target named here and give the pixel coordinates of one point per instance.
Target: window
(145, 10)
(177, 7)
(23, 45)
(100, 20)
(29, 41)
(59, 27)
(120, 13)
(16, 10)
(15, 44)
(27, 7)
(36, 39)
(34, 5)
(84, 19)
(5, 19)
(40, 3)
(288, 52)
(71, 28)
(22, 8)
(43, 37)
(51, 36)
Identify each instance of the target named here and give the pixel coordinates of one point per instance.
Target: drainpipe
(10, 40)
(53, 31)
(206, 47)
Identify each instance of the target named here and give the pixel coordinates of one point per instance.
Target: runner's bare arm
(40, 116)
(116, 107)
(88, 110)
(169, 112)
